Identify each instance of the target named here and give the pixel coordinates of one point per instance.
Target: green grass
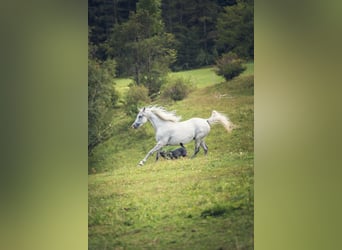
(121, 85)
(249, 70)
(201, 203)
(166, 205)
(200, 77)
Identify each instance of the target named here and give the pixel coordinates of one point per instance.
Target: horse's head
(141, 119)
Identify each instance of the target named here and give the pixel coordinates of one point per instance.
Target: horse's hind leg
(205, 147)
(158, 154)
(197, 148)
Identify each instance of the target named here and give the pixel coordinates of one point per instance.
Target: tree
(101, 99)
(236, 30)
(142, 47)
(102, 15)
(193, 24)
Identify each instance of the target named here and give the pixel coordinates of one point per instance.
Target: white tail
(221, 118)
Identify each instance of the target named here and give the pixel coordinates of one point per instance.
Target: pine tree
(142, 47)
(236, 29)
(193, 24)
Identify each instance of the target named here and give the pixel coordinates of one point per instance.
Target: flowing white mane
(164, 114)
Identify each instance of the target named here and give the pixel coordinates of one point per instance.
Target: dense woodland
(201, 29)
(145, 39)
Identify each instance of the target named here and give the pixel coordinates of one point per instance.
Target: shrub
(229, 66)
(102, 96)
(177, 88)
(137, 96)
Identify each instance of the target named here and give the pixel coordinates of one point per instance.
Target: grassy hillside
(201, 77)
(201, 203)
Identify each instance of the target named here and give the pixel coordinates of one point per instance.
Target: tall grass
(201, 203)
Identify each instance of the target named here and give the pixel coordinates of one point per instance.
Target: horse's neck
(157, 122)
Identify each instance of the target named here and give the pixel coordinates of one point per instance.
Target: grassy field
(121, 85)
(200, 77)
(201, 203)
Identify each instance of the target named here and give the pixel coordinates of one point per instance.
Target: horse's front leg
(157, 147)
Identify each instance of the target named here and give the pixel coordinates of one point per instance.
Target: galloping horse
(171, 131)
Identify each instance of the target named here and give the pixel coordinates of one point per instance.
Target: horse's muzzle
(135, 125)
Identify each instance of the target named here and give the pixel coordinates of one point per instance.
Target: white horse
(171, 131)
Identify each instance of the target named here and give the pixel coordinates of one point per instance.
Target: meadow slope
(201, 203)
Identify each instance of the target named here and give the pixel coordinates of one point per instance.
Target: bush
(177, 89)
(229, 66)
(102, 97)
(137, 96)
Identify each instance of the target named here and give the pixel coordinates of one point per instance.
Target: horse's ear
(143, 109)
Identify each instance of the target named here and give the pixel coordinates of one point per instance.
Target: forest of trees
(201, 29)
(145, 39)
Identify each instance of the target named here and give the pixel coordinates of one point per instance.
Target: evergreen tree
(142, 47)
(193, 24)
(202, 31)
(102, 15)
(235, 29)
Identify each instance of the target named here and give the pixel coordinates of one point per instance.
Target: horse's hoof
(140, 164)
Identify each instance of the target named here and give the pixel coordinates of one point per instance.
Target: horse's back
(201, 126)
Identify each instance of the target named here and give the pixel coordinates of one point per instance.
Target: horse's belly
(185, 138)
(183, 132)
(176, 136)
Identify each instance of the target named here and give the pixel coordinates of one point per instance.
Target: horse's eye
(140, 116)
